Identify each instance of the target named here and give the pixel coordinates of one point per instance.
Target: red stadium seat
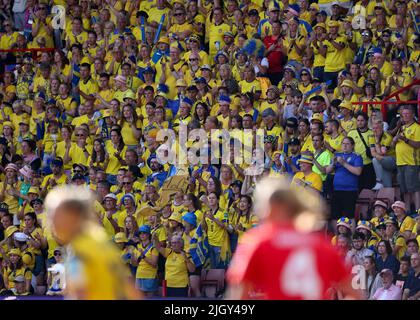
(213, 282)
(387, 195)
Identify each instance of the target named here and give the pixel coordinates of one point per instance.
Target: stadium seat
(387, 195)
(364, 203)
(213, 282)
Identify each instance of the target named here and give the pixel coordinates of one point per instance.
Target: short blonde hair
(306, 208)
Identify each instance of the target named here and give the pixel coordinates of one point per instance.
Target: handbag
(368, 153)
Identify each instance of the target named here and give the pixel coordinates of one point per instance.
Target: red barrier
(396, 94)
(34, 51)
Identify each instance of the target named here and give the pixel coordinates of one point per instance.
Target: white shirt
(19, 6)
(392, 293)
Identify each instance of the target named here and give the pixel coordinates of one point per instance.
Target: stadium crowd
(84, 95)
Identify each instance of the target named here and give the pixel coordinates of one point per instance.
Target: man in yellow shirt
(361, 136)
(306, 178)
(407, 149)
(398, 79)
(383, 153)
(87, 86)
(182, 29)
(333, 138)
(215, 32)
(335, 56)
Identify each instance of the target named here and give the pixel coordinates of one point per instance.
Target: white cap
(20, 236)
(112, 196)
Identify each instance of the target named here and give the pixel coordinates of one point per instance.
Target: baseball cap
(294, 142)
(35, 201)
(57, 162)
(347, 83)
(317, 117)
(392, 220)
(111, 196)
(205, 67)
(320, 25)
(292, 123)
(268, 112)
(4, 207)
(229, 34)
(164, 40)
(34, 190)
(224, 99)
(19, 279)
(20, 236)
(191, 218)
(120, 237)
(181, 83)
(346, 105)
(253, 12)
(145, 228)
(333, 23)
(236, 183)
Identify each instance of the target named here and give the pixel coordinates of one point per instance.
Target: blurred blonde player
(283, 258)
(94, 269)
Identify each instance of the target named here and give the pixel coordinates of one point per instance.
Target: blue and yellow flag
(199, 247)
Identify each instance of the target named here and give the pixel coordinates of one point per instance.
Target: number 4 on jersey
(300, 277)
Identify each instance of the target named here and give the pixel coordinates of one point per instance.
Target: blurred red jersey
(279, 263)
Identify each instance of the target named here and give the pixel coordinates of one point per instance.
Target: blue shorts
(147, 285)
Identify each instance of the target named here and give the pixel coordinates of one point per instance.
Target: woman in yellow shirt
(145, 257)
(376, 77)
(61, 67)
(177, 266)
(99, 157)
(116, 149)
(369, 95)
(36, 243)
(14, 267)
(130, 127)
(242, 221)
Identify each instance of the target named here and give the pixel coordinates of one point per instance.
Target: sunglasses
(304, 74)
(178, 14)
(365, 34)
(57, 253)
(80, 135)
(193, 59)
(126, 183)
(77, 171)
